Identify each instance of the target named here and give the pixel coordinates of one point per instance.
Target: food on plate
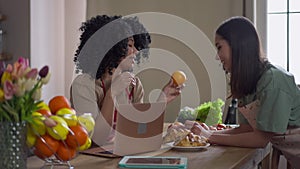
(178, 133)
(175, 135)
(221, 126)
(192, 140)
(179, 77)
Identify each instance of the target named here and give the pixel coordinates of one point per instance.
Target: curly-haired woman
(109, 48)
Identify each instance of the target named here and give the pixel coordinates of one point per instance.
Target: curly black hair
(102, 45)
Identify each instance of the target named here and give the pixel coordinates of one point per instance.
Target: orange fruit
(58, 102)
(64, 152)
(45, 112)
(179, 77)
(45, 146)
(77, 137)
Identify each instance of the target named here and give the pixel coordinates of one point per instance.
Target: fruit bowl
(57, 137)
(60, 144)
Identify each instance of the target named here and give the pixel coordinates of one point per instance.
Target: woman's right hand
(201, 130)
(121, 82)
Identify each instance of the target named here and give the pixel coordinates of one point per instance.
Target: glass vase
(13, 146)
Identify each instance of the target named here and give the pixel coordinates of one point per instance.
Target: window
(283, 34)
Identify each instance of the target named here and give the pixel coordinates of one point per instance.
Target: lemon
(43, 105)
(69, 115)
(87, 121)
(37, 125)
(60, 131)
(86, 145)
(30, 137)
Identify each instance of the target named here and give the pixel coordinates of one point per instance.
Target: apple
(69, 115)
(87, 121)
(37, 125)
(60, 131)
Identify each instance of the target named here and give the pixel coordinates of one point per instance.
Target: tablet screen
(149, 160)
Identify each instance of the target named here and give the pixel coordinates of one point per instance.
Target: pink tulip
(9, 68)
(9, 90)
(32, 73)
(24, 62)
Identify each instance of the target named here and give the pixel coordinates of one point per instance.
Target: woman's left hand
(170, 91)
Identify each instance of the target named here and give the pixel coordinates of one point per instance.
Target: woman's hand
(190, 124)
(121, 82)
(170, 91)
(201, 130)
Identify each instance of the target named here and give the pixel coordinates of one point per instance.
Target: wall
(55, 42)
(46, 32)
(206, 16)
(17, 28)
(54, 38)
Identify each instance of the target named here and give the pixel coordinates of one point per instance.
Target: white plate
(181, 148)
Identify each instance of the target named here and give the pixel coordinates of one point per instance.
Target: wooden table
(214, 157)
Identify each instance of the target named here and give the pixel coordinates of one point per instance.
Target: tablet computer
(153, 162)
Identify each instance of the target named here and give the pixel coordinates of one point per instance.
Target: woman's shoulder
(277, 73)
(275, 77)
(83, 79)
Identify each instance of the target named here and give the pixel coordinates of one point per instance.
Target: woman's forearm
(254, 139)
(243, 128)
(108, 108)
(103, 122)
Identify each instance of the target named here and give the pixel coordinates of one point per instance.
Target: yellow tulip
(5, 76)
(1, 95)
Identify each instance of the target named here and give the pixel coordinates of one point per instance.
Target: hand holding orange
(179, 77)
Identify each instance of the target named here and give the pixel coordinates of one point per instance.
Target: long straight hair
(248, 61)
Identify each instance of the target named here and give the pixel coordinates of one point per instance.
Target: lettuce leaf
(210, 112)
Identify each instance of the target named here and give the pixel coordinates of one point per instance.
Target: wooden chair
(275, 159)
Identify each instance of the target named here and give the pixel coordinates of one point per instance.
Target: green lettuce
(210, 112)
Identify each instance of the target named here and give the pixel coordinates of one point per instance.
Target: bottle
(231, 113)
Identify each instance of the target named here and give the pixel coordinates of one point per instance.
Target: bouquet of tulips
(20, 90)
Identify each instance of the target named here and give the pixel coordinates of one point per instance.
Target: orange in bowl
(65, 152)
(45, 146)
(77, 137)
(58, 102)
(45, 112)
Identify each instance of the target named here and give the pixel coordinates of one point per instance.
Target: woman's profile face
(128, 62)
(224, 52)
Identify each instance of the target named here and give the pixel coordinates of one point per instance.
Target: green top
(279, 99)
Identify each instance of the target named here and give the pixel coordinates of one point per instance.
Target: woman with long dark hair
(268, 97)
